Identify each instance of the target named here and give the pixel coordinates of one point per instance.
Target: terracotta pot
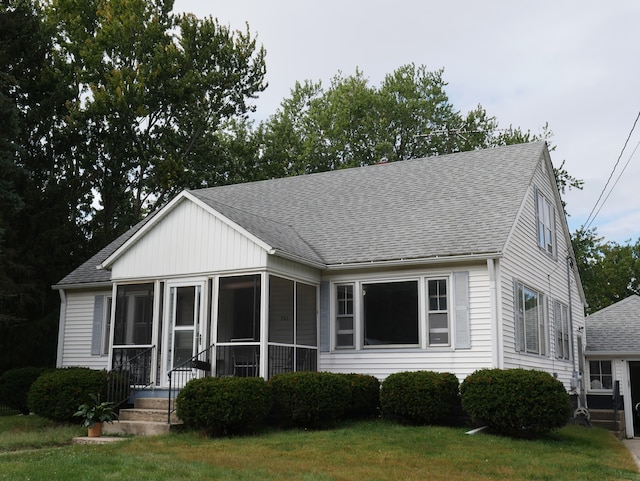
(95, 431)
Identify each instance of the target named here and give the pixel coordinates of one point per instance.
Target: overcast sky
(572, 63)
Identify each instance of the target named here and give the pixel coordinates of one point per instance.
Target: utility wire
(590, 219)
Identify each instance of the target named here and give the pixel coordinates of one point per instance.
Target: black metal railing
(131, 367)
(197, 366)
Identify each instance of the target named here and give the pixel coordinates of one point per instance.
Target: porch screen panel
(134, 315)
(281, 303)
(306, 325)
(239, 308)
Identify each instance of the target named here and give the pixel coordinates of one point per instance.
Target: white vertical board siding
(189, 240)
(381, 362)
(78, 330)
(524, 261)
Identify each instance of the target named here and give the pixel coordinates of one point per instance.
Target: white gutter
(61, 326)
(86, 285)
(613, 354)
(414, 261)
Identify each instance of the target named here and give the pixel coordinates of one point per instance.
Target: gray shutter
(461, 293)
(98, 321)
(325, 322)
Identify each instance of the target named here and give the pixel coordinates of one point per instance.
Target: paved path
(634, 446)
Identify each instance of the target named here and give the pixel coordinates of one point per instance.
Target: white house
(612, 357)
(448, 263)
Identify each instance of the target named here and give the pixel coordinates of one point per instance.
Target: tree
(609, 271)
(353, 123)
(152, 89)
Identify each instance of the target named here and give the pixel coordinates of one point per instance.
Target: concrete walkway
(97, 440)
(633, 445)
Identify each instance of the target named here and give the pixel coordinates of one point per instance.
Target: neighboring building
(448, 263)
(612, 357)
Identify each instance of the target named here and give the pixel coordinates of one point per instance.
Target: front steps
(147, 418)
(606, 419)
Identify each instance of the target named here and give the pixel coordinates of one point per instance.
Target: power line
(590, 219)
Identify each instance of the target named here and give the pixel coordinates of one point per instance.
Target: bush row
(514, 402)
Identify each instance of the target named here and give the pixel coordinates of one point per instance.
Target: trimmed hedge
(365, 396)
(15, 385)
(57, 394)
(310, 399)
(420, 397)
(516, 402)
(220, 406)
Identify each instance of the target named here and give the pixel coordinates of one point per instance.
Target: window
(344, 316)
(239, 308)
(546, 224)
(530, 320)
(600, 375)
(390, 313)
(134, 315)
(562, 330)
(437, 312)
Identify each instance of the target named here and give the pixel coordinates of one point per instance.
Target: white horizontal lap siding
(78, 331)
(290, 268)
(188, 240)
(524, 261)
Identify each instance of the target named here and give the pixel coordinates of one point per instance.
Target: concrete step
(153, 403)
(137, 428)
(156, 415)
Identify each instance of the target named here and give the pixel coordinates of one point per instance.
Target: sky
(573, 64)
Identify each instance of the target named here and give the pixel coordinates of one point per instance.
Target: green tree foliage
(353, 123)
(610, 271)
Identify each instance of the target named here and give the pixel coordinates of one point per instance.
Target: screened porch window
(390, 312)
(239, 308)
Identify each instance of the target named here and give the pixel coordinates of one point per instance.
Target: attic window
(546, 224)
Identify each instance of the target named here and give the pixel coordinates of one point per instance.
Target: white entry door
(186, 334)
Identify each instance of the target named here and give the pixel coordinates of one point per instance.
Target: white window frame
(563, 339)
(106, 326)
(522, 321)
(546, 220)
(600, 375)
(446, 311)
(340, 316)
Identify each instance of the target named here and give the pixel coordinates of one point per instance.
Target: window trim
(337, 316)
(521, 320)
(613, 377)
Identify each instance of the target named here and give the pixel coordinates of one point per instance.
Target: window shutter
(461, 302)
(325, 322)
(98, 320)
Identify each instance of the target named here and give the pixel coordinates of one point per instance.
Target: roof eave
(82, 285)
(610, 353)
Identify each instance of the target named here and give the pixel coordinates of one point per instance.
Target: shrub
(220, 406)
(365, 395)
(310, 399)
(420, 397)
(516, 402)
(15, 385)
(57, 394)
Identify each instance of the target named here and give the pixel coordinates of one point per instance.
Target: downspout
(574, 378)
(61, 326)
(496, 331)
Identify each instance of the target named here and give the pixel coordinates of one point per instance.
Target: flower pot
(95, 431)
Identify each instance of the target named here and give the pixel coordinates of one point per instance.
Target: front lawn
(375, 450)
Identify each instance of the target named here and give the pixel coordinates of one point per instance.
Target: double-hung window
(344, 316)
(530, 320)
(600, 375)
(438, 312)
(561, 316)
(546, 224)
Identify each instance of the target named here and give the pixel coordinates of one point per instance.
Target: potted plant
(95, 413)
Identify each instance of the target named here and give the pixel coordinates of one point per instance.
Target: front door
(186, 333)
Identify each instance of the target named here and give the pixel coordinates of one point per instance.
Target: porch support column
(264, 325)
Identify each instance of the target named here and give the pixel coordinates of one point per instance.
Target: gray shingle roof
(448, 205)
(615, 328)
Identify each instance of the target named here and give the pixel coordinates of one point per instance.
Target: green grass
(376, 450)
(33, 432)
